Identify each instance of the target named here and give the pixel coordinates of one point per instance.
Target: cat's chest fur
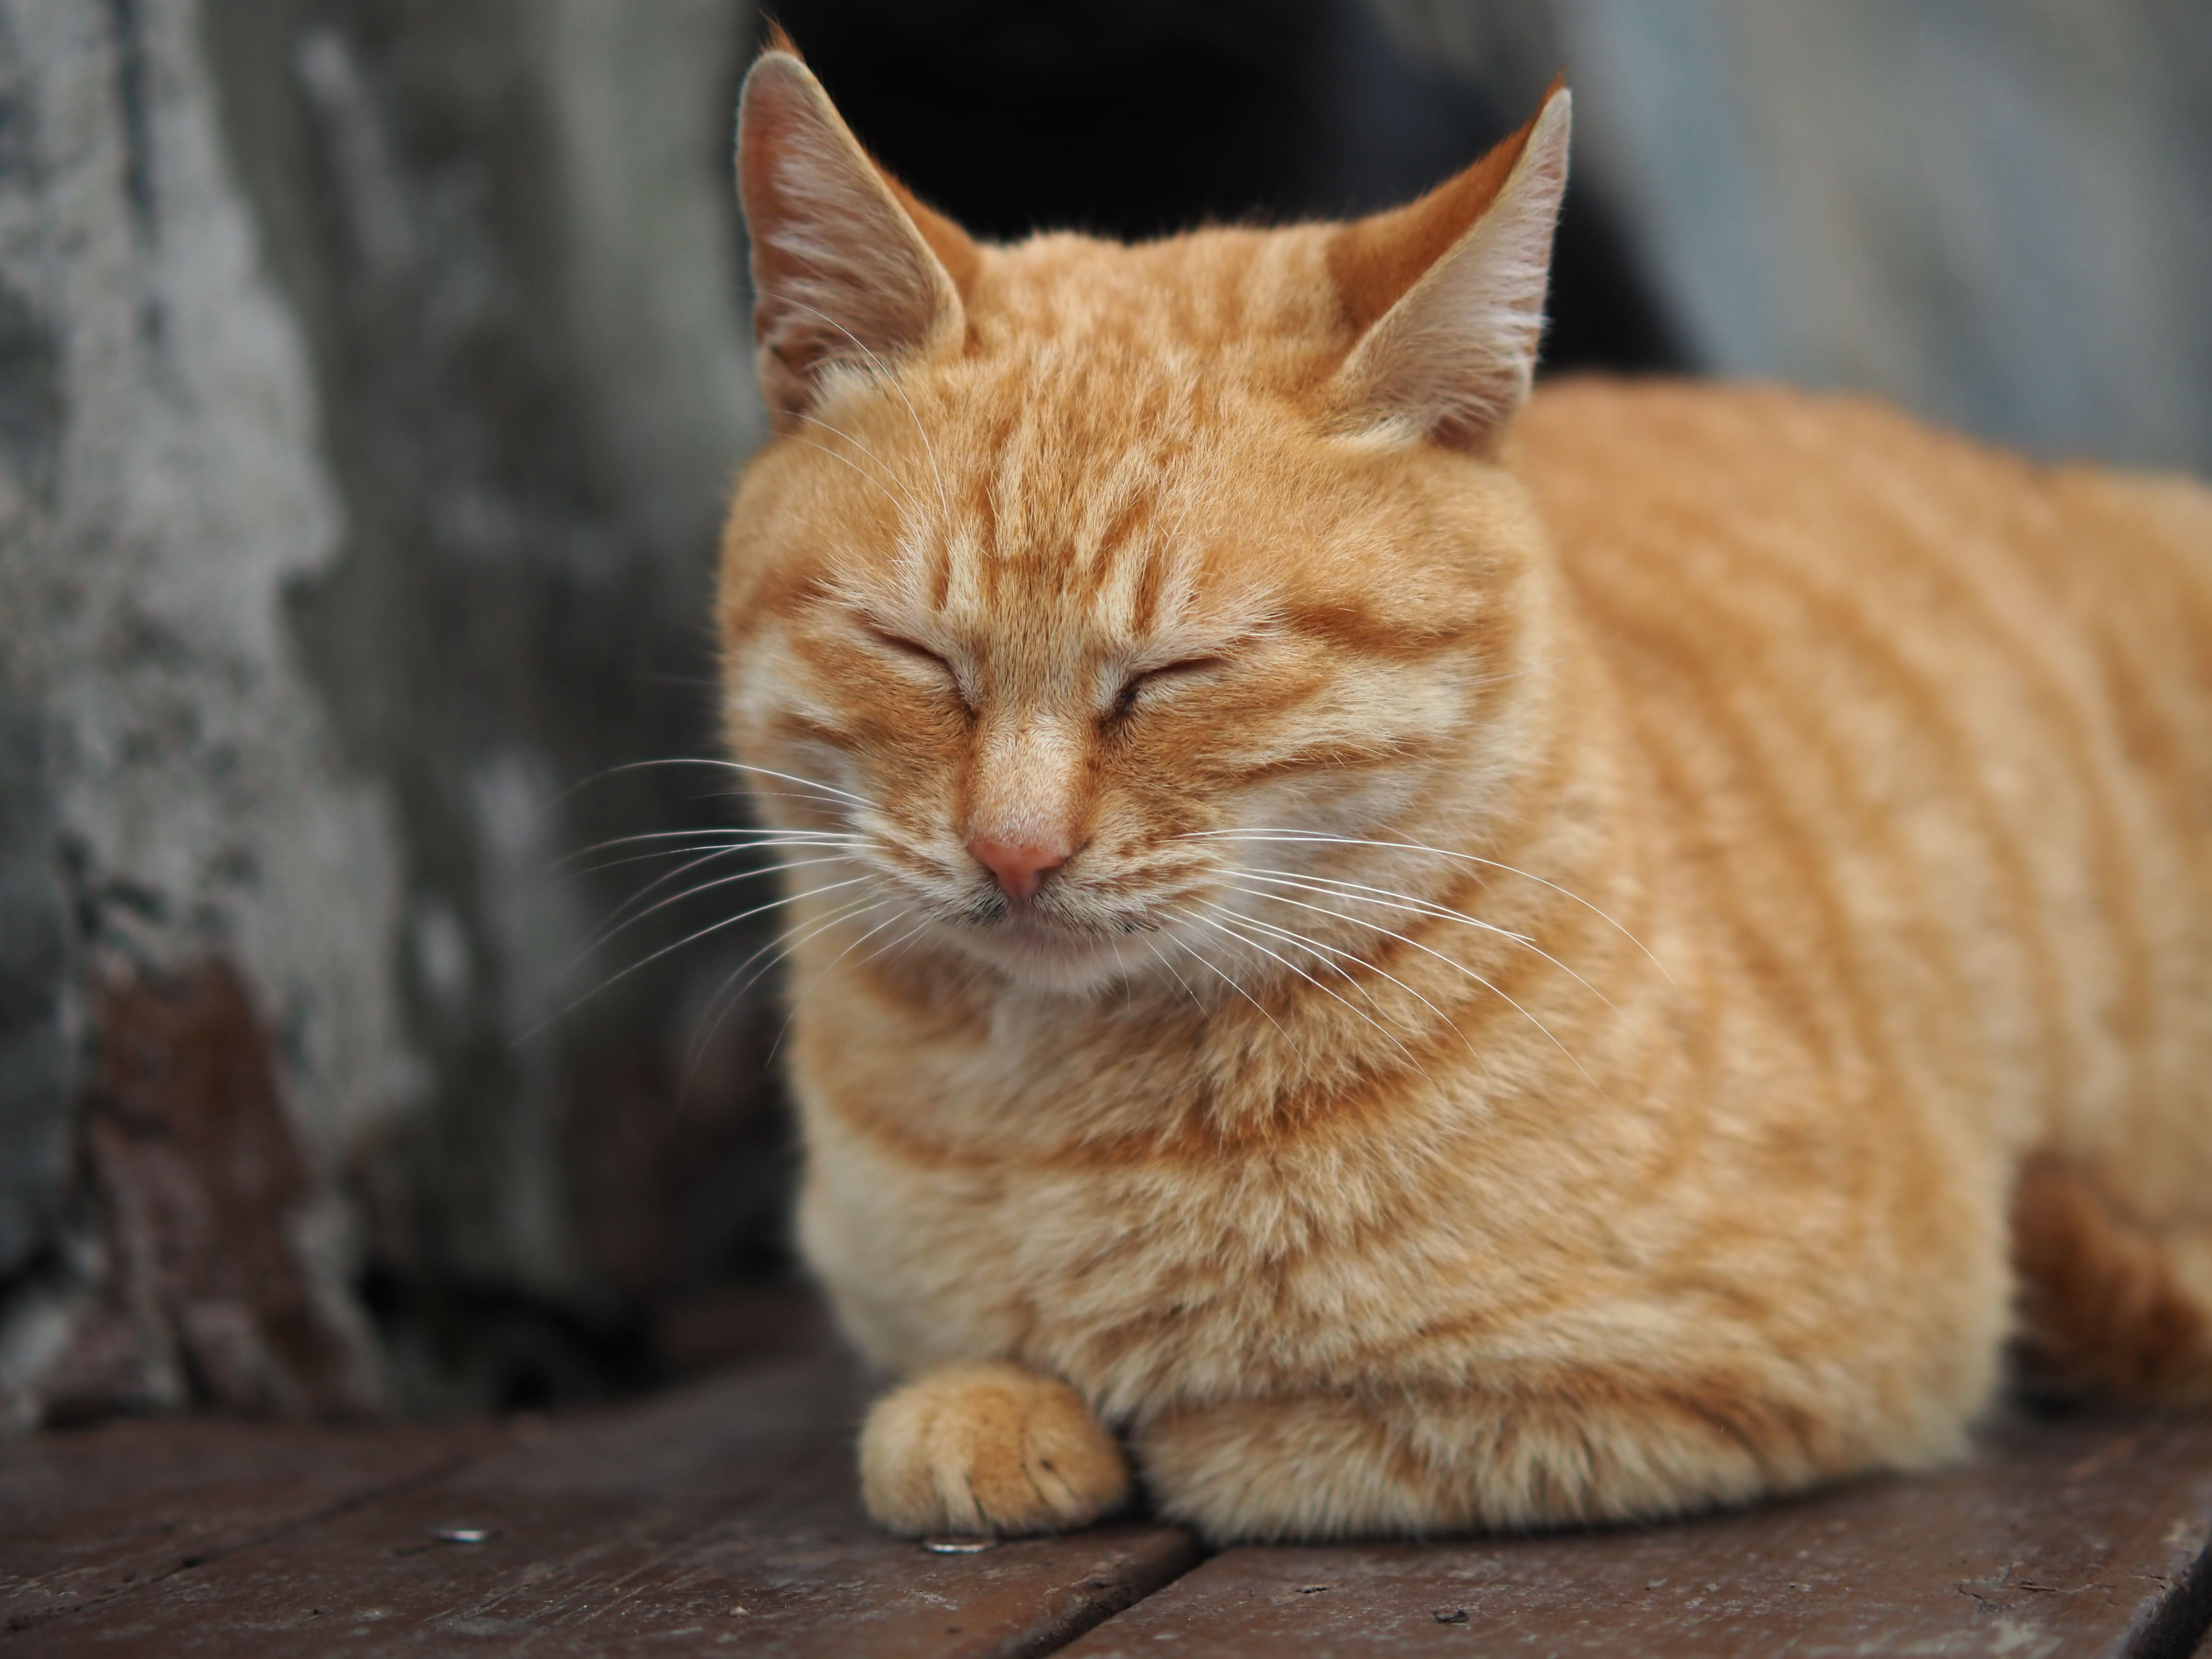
(1137, 1261)
(955, 1205)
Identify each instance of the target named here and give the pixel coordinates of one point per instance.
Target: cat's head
(1077, 573)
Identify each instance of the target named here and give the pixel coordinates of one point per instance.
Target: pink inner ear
(840, 270)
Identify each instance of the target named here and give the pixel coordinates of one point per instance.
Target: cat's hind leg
(2111, 1303)
(987, 1448)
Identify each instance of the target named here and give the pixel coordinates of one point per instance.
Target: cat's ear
(847, 265)
(1447, 293)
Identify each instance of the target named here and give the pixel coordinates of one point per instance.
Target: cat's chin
(1039, 957)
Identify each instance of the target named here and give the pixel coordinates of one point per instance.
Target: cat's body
(1536, 1005)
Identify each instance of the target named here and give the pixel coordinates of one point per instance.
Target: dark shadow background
(1137, 120)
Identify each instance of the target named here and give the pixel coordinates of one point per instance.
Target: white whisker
(615, 923)
(804, 783)
(1461, 967)
(689, 939)
(1314, 837)
(711, 850)
(1207, 963)
(905, 939)
(782, 944)
(1152, 945)
(655, 885)
(1360, 892)
(1342, 889)
(1255, 944)
(607, 936)
(1313, 943)
(768, 837)
(784, 1030)
(1292, 937)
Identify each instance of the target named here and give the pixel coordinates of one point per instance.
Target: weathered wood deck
(720, 1517)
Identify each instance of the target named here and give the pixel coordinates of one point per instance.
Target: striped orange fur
(1409, 966)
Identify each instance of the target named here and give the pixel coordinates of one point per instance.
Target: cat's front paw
(989, 1447)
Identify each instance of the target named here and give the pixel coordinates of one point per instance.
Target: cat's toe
(989, 1447)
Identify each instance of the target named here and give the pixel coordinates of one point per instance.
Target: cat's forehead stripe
(1078, 467)
(1045, 503)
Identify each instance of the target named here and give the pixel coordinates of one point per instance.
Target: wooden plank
(2064, 1538)
(719, 1517)
(93, 1514)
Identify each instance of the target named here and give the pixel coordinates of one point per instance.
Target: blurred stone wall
(174, 790)
(370, 379)
(509, 229)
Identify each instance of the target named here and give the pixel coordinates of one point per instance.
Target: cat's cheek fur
(987, 1448)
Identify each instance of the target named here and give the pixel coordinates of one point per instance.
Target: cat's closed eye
(921, 656)
(1133, 688)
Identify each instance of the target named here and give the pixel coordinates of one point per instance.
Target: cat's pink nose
(1021, 870)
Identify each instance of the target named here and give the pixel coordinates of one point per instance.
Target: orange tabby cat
(1418, 966)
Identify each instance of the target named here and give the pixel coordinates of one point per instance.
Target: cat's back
(1930, 723)
(1808, 478)
(1784, 539)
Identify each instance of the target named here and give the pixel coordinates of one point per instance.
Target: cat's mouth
(1061, 952)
